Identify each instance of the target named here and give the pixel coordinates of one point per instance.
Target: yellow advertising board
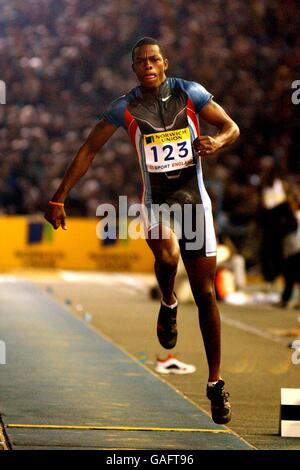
(30, 242)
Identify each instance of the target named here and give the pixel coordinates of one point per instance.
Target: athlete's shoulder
(116, 110)
(127, 97)
(196, 92)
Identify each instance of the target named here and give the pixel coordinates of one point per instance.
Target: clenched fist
(206, 145)
(56, 216)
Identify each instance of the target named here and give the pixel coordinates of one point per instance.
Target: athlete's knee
(205, 298)
(168, 259)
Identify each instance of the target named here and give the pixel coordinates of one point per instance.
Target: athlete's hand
(206, 145)
(56, 216)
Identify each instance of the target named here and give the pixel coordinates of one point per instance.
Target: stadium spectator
(291, 254)
(64, 62)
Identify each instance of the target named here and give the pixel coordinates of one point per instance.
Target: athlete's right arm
(99, 135)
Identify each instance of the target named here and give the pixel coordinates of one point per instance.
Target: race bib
(168, 150)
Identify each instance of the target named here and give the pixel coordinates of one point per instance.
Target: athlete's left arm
(227, 134)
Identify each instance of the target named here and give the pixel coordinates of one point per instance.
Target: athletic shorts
(182, 204)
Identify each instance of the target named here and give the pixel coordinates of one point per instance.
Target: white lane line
(252, 329)
(138, 282)
(84, 277)
(8, 278)
(127, 284)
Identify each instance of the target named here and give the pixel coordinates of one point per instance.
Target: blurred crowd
(64, 61)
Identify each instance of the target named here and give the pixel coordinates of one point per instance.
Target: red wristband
(53, 203)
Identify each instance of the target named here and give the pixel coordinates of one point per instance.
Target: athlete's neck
(155, 91)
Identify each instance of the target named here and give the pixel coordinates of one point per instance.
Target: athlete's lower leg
(166, 253)
(209, 320)
(201, 272)
(165, 275)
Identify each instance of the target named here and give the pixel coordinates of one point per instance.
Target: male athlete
(161, 118)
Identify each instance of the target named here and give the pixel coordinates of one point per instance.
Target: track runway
(80, 357)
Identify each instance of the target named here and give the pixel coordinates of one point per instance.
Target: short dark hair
(145, 41)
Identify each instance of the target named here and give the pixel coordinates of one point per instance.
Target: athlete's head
(149, 62)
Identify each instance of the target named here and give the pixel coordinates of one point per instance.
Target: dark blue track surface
(61, 372)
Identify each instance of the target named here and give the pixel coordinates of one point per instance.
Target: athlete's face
(149, 66)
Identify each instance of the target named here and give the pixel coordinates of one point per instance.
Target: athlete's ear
(166, 62)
